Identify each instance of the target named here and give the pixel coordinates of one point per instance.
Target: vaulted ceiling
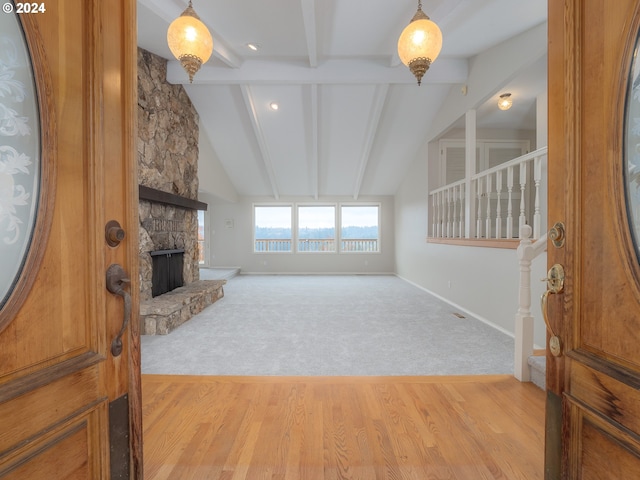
(351, 117)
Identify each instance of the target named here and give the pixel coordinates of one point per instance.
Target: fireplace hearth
(166, 270)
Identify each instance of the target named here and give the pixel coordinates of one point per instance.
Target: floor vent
(459, 315)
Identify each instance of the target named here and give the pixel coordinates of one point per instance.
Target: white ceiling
(351, 117)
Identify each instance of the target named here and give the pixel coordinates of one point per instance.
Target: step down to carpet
(164, 313)
(538, 370)
(218, 273)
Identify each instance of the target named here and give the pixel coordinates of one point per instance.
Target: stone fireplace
(168, 178)
(167, 162)
(166, 227)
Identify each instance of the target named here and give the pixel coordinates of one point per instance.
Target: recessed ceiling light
(253, 46)
(274, 106)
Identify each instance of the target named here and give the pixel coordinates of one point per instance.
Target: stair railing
(527, 251)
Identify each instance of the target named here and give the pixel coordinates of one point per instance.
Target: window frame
(378, 205)
(292, 226)
(336, 238)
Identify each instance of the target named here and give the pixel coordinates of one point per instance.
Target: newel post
(524, 318)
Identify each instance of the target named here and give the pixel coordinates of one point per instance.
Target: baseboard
(220, 268)
(460, 307)
(317, 273)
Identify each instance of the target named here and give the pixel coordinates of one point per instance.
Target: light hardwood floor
(317, 428)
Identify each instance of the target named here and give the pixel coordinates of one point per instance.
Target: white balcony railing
(494, 203)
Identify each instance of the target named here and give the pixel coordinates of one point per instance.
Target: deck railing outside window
(317, 245)
(272, 245)
(500, 201)
(359, 245)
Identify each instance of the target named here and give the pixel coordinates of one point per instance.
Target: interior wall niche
(167, 161)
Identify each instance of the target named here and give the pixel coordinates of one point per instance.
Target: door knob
(555, 285)
(116, 281)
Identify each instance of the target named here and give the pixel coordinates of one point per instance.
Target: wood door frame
(130, 120)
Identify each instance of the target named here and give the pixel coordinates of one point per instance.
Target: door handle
(116, 280)
(555, 285)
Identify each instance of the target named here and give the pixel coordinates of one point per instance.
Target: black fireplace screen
(167, 271)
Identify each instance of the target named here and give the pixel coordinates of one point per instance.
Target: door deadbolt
(113, 233)
(557, 235)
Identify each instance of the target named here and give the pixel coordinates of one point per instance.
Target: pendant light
(190, 41)
(420, 43)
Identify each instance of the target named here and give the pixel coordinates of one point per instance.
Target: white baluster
(479, 215)
(523, 184)
(498, 206)
(509, 202)
(438, 214)
(461, 218)
(448, 196)
(454, 209)
(537, 177)
(442, 207)
(441, 224)
(487, 223)
(434, 223)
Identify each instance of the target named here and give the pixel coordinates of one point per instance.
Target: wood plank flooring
(326, 428)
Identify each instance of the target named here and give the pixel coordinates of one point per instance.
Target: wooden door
(69, 406)
(593, 387)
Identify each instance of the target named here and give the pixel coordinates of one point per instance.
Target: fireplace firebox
(166, 270)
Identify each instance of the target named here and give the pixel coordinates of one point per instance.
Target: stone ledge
(162, 314)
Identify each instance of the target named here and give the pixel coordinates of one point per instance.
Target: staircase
(538, 370)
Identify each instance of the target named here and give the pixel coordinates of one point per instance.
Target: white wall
(231, 241)
(481, 281)
(212, 178)
(488, 72)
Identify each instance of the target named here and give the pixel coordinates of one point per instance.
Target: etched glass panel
(20, 163)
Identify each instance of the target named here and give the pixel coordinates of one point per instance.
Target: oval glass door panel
(20, 153)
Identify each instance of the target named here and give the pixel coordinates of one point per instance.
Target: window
(359, 228)
(272, 228)
(317, 228)
(201, 238)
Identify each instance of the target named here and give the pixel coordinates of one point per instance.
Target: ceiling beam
(309, 18)
(372, 128)
(343, 71)
(222, 52)
(313, 154)
(262, 144)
